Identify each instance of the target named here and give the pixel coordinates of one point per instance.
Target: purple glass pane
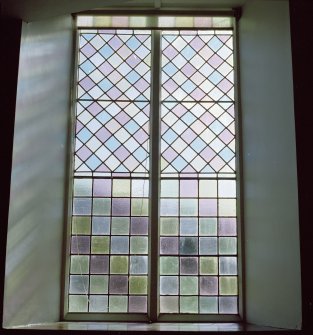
(122, 118)
(103, 134)
(189, 135)
(94, 109)
(120, 207)
(170, 86)
(207, 118)
(141, 136)
(226, 136)
(207, 207)
(198, 94)
(115, 42)
(141, 85)
(87, 83)
(102, 187)
(88, 50)
(228, 305)
(137, 304)
(189, 188)
(168, 245)
(170, 52)
(99, 264)
(179, 110)
(215, 61)
(227, 227)
(83, 153)
(114, 93)
(225, 85)
(170, 154)
(188, 70)
(139, 226)
(189, 265)
(106, 68)
(80, 245)
(208, 286)
(197, 43)
(122, 153)
(207, 154)
(118, 284)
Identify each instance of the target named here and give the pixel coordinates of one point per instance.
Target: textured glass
(112, 118)
(198, 172)
(110, 226)
(85, 21)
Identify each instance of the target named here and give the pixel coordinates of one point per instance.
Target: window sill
(152, 327)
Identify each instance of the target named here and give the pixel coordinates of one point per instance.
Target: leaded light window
(154, 192)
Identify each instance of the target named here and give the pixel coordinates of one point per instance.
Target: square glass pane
(169, 226)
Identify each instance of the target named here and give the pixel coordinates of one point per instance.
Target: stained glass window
(110, 249)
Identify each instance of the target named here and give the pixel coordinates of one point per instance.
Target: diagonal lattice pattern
(197, 112)
(197, 138)
(112, 137)
(114, 65)
(112, 118)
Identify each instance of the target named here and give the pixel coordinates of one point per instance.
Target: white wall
(273, 288)
(35, 228)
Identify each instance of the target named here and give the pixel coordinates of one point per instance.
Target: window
(154, 210)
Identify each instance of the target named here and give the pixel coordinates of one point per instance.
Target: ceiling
(34, 10)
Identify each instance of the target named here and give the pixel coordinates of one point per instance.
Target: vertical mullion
(154, 177)
(239, 176)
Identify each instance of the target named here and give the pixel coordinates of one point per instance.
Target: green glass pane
(98, 284)
(78, 303)
(118, 304)
(207, 188)
(140, 207)
(79, 264)
(188, 207)
(120, 226)
(81, 225)
(208, 305)
(208, 226)
(100, 244)
(101, 206)
(208, 265)
(139, 245)
(188, 304)
(169, 226)
(168, 265)
(121, 188)
(184, 21)
(227, 207)
(188, 285)
(82, 187)
(169, 188)
(228, 245)
(138, 285)
(119, 264)
(228, 286)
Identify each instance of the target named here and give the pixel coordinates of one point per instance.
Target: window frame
(155, 102)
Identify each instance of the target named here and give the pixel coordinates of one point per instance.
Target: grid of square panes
(109, 246)
(109, 231)
(198, 225)
(198, 246)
